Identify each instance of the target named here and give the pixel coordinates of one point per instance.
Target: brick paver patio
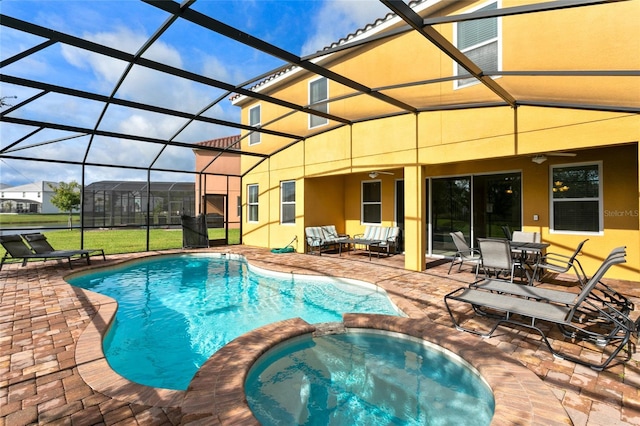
(52, 373)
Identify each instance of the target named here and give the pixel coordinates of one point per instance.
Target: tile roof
(230, 142)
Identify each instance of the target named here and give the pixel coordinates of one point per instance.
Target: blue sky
(299, 26)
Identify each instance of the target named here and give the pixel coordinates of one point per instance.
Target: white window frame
(314, 120)
(363, 203)
(255, 137)
(599, 199)
(287, 203)
(255, 203)
(458, 84)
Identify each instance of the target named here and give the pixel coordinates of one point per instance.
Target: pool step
(329, 328)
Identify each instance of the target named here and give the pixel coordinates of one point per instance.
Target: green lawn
(127, 240)
(58, 219)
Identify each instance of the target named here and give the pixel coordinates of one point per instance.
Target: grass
(127, 240)
(37, 219)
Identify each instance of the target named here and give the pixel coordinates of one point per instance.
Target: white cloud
(215, 68)
(151, 87)
(338, 18)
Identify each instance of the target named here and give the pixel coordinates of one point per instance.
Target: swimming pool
(175, 311)
(366, 377)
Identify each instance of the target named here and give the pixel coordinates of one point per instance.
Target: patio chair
(526, 237)
(39, 244)
(392, 239)
(464, 253)
(17, 249)
(578, 316)
(507, 232)
(320, 238)
(497, 257)
(559, 263)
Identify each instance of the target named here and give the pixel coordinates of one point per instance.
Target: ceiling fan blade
(560, 154)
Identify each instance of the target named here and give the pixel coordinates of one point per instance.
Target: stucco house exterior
(218, 180)
(32, 197)
(536, 128)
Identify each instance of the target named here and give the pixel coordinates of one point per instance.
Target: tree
(66, 197)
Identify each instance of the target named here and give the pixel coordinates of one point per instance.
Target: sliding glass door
(496, 203)
(478, 206)
(450, 211)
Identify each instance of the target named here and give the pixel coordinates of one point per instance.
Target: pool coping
(216, 393)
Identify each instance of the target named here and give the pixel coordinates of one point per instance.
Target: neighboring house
(29, 198)
(562, 159)
(218, 181)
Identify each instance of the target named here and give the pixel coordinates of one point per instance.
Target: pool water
(366, 378)
(175, 311)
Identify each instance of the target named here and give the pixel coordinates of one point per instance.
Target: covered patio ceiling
(54, 118)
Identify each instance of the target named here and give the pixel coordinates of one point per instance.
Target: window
(479, 41)
(252, 203)
(288, 202)
(575, 194)
(254, 121)
(318, 92)
(371, 202)
(239, 206)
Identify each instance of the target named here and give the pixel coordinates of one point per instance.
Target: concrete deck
(51, 371)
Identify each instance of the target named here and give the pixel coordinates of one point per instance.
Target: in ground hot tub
(366, 377)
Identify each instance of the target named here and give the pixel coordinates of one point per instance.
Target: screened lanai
(126, 90)
(109, 204)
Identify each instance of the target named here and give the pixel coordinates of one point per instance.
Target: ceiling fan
(541, 158)
(374, 174)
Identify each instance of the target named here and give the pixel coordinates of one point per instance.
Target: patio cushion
(330, 234)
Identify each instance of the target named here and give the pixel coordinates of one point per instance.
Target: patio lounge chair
(580, 316)
(560, 264)
(601, 292)
(16, 248)
(464, 253)
(39, 244)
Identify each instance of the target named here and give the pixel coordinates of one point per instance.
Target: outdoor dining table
(526, 248)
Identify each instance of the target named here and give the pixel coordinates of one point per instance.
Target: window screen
(371, 202)
(254, 121)
(288, 202)
(318, 92)
(576, 198)
(252, 203)
(478, 39)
